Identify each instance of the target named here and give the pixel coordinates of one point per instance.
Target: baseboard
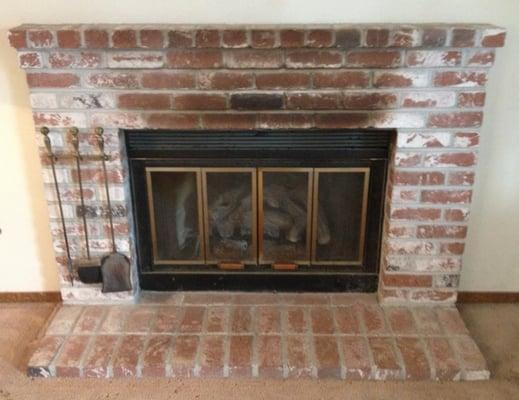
(30, 297)
(488, 297)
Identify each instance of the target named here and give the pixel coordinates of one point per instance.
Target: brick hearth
(211, 334)
(426, 81)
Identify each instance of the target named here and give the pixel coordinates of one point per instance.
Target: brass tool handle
(75, 140)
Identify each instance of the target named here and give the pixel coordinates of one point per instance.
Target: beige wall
(492, 257)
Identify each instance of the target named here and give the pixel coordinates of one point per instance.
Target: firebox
(258, 210)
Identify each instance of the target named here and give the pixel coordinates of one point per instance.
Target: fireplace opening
(263, 210)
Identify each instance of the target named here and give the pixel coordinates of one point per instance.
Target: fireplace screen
(258, 216)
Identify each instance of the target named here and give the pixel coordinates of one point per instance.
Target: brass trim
(362, 230)
(309, 172)
(254, 201)
(151, 206)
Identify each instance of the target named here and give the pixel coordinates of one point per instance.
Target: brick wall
(427, 81)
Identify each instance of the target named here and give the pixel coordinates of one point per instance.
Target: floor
(262, 335)
(494, 327)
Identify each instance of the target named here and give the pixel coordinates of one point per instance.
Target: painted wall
(492, 255)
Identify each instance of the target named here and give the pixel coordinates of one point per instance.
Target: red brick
(180, 38)
(312, 101)
(241, 319)
(313, 59)
(373, 59)
(42, 357)
(240, 356)
(256, 101)
(41, 39)
(167, 320)
(270, 363)
(155, 356)
(347, 319)
(207, 38)
(343, 120)
(225, 80)
(283, 80)
(114, 80)
(446, 196)
(429, 58)
(452, 248)
(462, 178)
(408, 159)
(474, 364)
(172, 121)
(217, 319)
(445, 363)
(356, 357)
(30, 60)
(327, 357)
(319, 38)
(97, 176)
(115, 319)
(463, 37)
(144, 101)
(89, 320)
(474, 99)
(434, 37)
(373, 319)
(481, 58)
(401, 320)
(284, 121)
(69, 39)
(234, 38)
(460, 78)
(245, 59)
(199, 101)
(75, 60)
(401, 231)
(451, 321)
(124, 39)
(407, 280)
(69, 360)
(194, 59)
(263, 39)
(415, 360)
(427, 321)
(342, 79)
(450, 160)
(291, 38)
(456, 214)
(151, 38)
(492, 38)
(50, 80)
(455, 120)
(416, 214)
(347, 38)
(369, 101)
(229, 121)
(96, 39)
(168, 80)
(268, 320)
(95, 364)
(384, 357)
(377, 37)
(212, 356)
(322, 320)
(296, 321)
(419, 178)
(404, 37)
(298, 360)
(400, 79)
(183, 356)
(140, 319)
(192, 320)
(18, 39)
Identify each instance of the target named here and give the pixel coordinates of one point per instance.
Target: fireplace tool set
(113, 270)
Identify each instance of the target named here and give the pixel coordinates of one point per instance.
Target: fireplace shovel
(52, 158)
(115, 267)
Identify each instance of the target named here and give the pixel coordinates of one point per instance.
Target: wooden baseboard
(30, 297)
(488, 297)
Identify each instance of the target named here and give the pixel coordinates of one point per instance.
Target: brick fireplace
(427, 82)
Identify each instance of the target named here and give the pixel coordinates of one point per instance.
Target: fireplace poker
(115, 267)
(52, 158)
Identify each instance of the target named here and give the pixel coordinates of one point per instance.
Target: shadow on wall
(26, 170)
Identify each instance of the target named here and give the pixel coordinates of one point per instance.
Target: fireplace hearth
(271, 210)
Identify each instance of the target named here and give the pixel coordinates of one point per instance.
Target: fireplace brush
(52, 158)
(115, 267)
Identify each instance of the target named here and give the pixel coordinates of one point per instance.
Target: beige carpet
(495, 328)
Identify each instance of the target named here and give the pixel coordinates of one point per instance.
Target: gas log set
(113, 270)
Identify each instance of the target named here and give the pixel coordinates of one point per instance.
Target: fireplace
(271, 210)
